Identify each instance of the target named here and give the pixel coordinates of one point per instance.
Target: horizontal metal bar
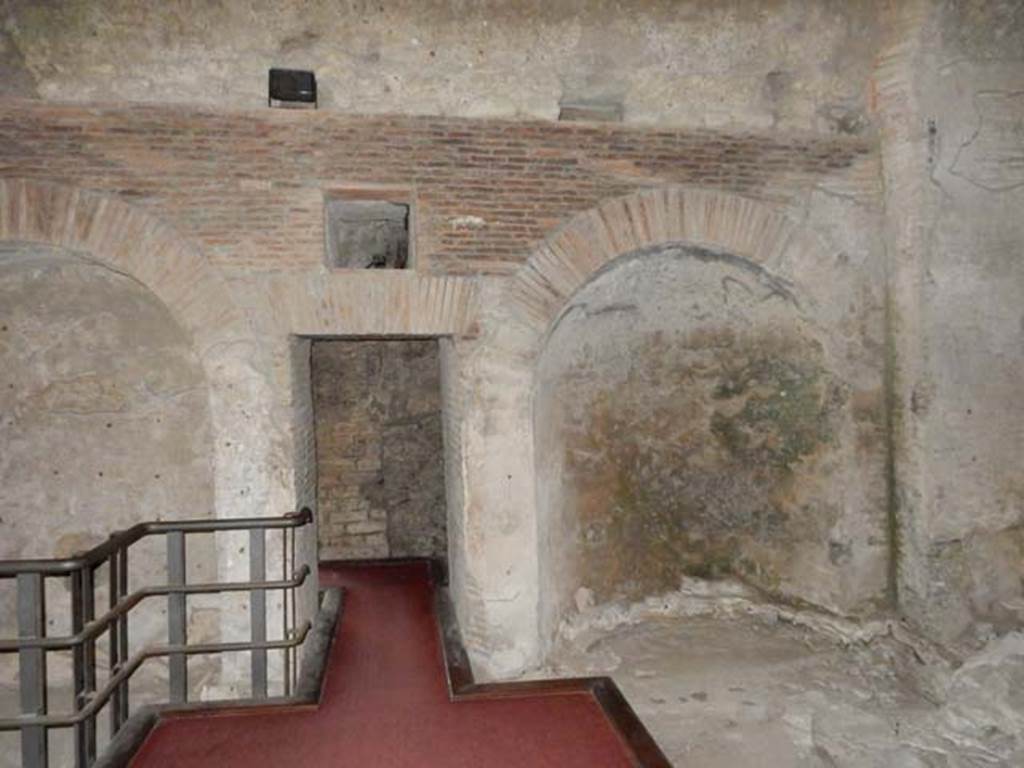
(97, 627)
(96, 556)
(99, 700)
(212, 525)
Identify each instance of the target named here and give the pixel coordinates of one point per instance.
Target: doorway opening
(377, 410)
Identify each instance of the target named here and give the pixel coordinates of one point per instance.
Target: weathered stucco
(774, 63)
(953, 150)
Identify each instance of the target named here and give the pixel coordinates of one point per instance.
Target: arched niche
(688, 421)
(253, 462)
(128, 240)
(512, 593)
(105, 423)
(105, 404)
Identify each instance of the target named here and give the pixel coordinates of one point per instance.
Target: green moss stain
(785, 414)
(692, 463)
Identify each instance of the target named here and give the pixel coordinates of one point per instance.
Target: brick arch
(719, 221)
(128, 240)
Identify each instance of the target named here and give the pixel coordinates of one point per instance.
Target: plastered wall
(760, 65)
(951, 143)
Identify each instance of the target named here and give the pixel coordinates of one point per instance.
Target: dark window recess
(294, 88)
(367, 234)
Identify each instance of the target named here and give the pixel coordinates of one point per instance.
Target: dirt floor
(725, 681)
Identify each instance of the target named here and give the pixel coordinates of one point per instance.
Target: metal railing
(32, 643)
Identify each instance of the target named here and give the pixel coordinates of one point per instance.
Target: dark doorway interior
(379, 447)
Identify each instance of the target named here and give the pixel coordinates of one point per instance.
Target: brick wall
(380, 465)
(248, 186)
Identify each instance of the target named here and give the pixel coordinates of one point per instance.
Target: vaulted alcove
(106, 415)
(691, 419)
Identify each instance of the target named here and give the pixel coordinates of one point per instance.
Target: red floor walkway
(385, 703)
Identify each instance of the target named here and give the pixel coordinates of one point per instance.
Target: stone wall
(952, 110)
(216, 206)
(246, 191)
(380, 463)
(236, 187)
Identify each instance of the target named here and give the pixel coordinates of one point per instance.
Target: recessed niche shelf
(367, 229)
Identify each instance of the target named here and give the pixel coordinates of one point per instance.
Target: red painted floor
(385, 703)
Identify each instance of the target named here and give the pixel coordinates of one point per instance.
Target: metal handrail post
(258, 611)
(294, 616)
(114, 636)
(78, 669)
(32, 667)
(177, 631)
(89, 657)
(122, 631)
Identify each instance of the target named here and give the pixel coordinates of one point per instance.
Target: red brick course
(248, 186)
